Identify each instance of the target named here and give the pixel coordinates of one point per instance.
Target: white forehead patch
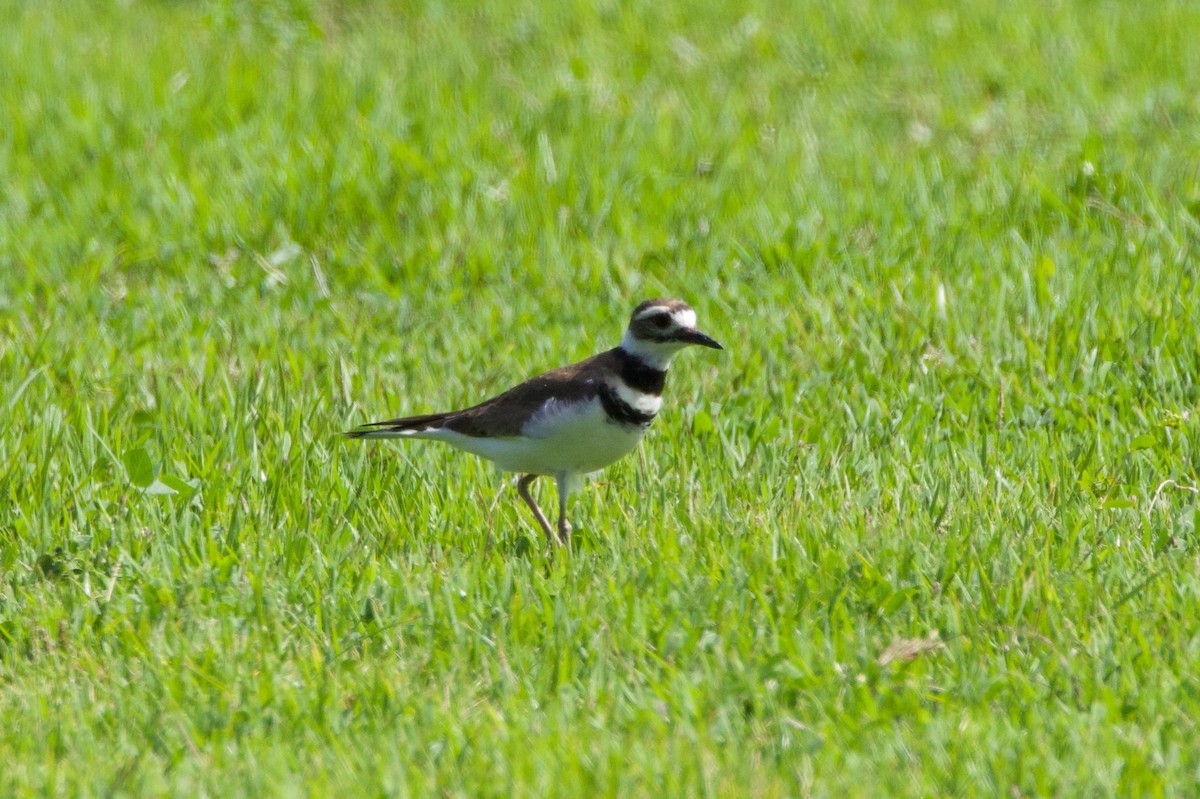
(685, 318)
(652, 310)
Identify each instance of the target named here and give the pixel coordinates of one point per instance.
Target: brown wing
(507, 413)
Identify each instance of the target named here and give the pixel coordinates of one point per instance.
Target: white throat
(655, 354)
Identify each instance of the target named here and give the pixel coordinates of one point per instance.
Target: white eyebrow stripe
(652, 310)
(685, 318)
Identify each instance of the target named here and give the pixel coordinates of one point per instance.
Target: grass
(927, 527)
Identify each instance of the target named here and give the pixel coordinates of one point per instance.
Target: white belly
(561, 438)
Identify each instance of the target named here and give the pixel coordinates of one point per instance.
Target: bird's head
(660, 328)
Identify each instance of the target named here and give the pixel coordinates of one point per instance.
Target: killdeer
(570, 421)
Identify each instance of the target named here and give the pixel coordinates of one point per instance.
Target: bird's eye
(662, 320)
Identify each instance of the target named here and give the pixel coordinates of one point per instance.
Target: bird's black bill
(696, 337)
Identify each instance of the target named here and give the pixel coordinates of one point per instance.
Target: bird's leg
(564, 525)
(523, 489)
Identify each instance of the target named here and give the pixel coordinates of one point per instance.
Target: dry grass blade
(906, 649)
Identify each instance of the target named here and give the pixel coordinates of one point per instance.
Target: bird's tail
(401, 428)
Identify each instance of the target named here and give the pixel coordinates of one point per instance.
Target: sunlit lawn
(925, 528)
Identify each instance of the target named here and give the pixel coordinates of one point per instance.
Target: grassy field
(925, 528)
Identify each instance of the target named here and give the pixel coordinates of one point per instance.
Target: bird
(571, 421)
